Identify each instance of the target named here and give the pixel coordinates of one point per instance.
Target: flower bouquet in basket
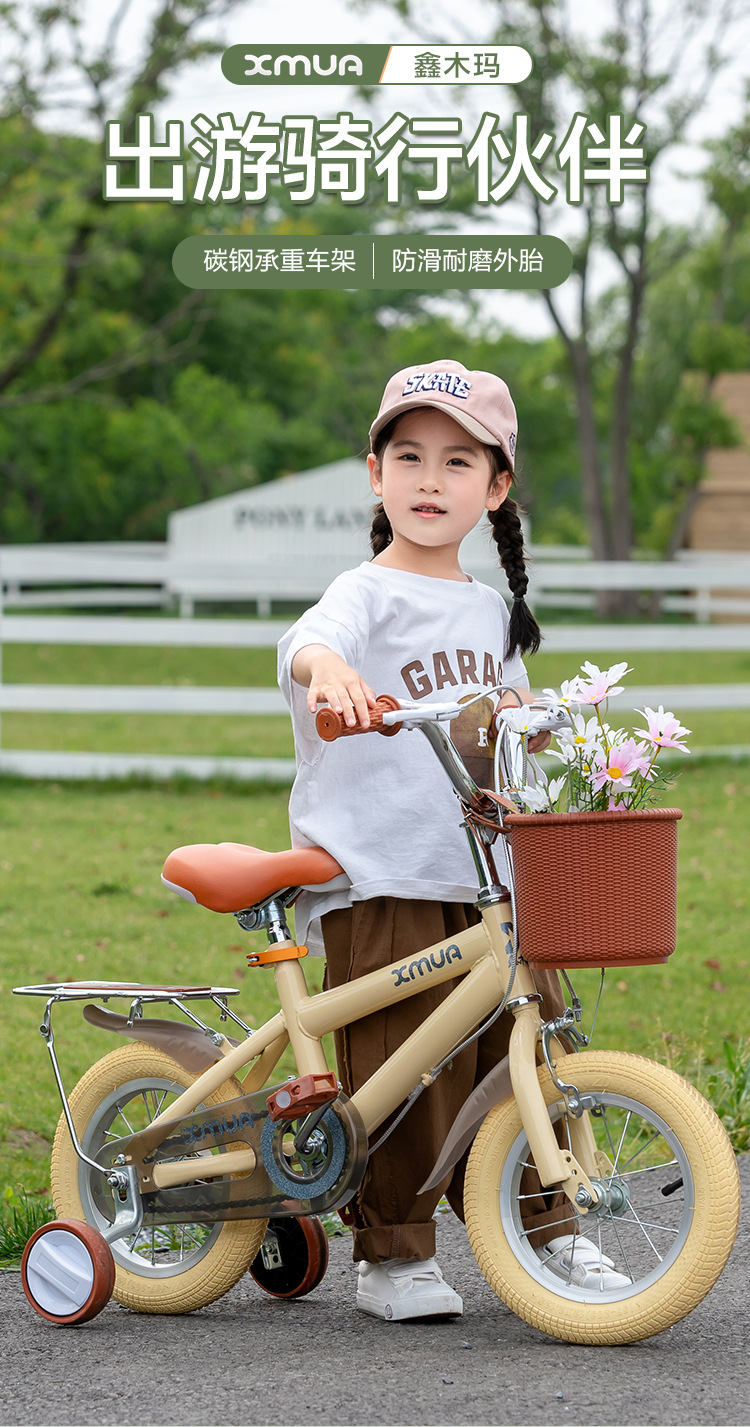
(594, 862)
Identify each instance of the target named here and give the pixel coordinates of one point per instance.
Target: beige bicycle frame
(482, 956)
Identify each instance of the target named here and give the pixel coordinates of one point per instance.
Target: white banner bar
(456, 64)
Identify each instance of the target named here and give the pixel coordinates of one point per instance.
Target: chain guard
(238, 1123)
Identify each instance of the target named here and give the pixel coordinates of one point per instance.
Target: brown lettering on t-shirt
(488, 673)
(417, 686)
(467, 666)
(443, 672)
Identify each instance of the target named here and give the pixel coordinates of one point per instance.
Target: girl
(410, 623)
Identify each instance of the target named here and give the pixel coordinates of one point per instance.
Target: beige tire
(669, 1247)
(168, 1268)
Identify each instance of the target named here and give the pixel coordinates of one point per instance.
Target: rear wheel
(168, 1268)
(672, 1204)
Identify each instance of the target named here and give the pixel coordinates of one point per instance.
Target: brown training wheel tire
(293, 1257)
(169, 1268)
(67, 1272)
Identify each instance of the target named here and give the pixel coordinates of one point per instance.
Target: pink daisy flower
(664, 730)
(601, 683)
(620, 767)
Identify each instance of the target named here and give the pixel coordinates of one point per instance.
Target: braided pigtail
(524, 635)
(381, 532)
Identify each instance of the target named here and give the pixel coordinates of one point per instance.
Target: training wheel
(292, 1259)
(67, 1271)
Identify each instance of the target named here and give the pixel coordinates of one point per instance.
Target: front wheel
(673, 1201)
(167, 1268)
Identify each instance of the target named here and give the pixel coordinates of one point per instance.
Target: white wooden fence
(110, 630)
(121, 574)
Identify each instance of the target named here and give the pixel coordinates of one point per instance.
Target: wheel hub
(612, 1197)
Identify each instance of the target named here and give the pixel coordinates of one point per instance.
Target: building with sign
(287, 539)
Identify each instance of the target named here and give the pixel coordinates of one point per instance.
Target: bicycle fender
(495, 1087)
(188, 1045)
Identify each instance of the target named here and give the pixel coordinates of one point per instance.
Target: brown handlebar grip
(330, 725)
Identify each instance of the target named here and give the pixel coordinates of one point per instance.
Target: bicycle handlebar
(389, 716)
(331, 725)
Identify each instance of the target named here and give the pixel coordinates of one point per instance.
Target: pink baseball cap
(478, 401)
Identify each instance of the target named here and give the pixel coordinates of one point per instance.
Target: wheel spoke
(622, 1138)
(621, 1246)
(648, 1169)
(656, 1135)
(555, 1223)
(601, 1256)
(646, 1235)
(124, 1118)
(647, 1224)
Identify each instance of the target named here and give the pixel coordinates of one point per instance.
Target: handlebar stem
(468, 791)
(473, 799)
(490, 888)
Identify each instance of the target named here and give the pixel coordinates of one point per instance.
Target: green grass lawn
(80, 896)
(257, 736)
(93, 664)
(137, 664)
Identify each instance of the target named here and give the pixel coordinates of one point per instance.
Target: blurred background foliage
(123, 397)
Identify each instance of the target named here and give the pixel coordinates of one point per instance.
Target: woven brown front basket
(595, 889)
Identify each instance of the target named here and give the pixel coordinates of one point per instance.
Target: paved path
(251, 1360)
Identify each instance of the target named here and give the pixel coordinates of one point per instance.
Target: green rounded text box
(514, 261)
(304, 64)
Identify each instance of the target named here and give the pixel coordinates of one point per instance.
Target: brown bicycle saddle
(229, 876)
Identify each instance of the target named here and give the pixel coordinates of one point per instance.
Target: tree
(119, 402)
(45, 64)
(721, 343)
(654, 65)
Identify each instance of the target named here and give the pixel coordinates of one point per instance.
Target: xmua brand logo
(422, 965)
(287, 65)
(214, 1129)
(305, 64)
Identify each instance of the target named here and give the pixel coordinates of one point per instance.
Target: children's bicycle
(178, 1164)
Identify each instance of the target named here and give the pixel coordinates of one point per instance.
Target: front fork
(572, 1169)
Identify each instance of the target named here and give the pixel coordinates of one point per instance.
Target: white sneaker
(579, 1263)
(406, 1288)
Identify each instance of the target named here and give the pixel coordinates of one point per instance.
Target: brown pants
(391, 1218)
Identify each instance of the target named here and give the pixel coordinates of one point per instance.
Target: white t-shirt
(384, 807)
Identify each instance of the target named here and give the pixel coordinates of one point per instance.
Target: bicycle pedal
(302, 1096)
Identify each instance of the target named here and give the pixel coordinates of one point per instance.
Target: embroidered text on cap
(448, 382)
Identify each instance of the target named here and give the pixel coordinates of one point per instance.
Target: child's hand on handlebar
(332, 681)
